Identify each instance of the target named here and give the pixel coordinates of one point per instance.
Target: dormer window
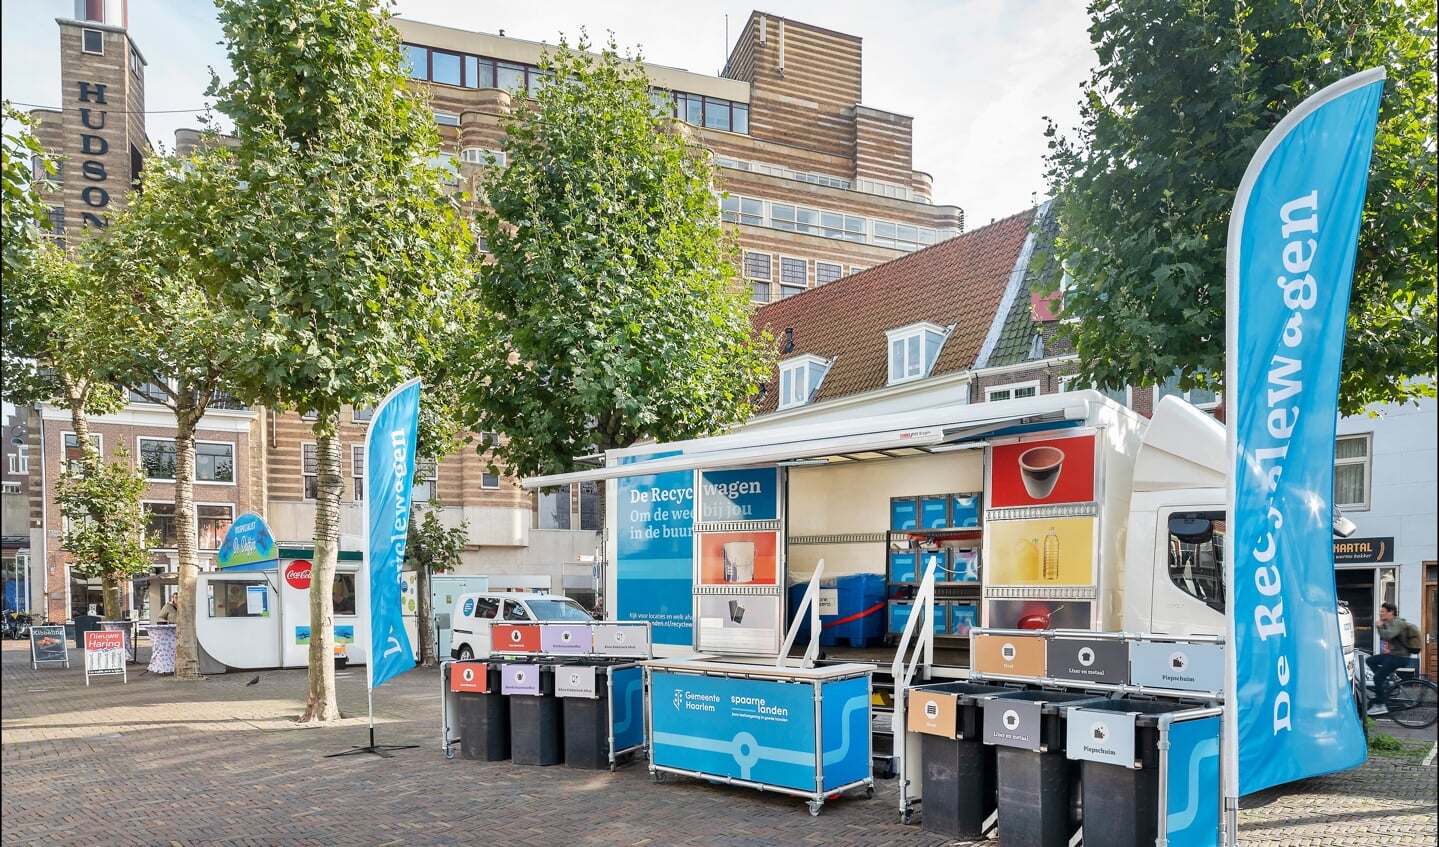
(799, 379)
(913, 350)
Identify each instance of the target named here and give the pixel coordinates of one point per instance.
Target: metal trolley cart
(797, 731)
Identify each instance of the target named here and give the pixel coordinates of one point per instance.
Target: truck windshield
(559, 610)
(1196, 556)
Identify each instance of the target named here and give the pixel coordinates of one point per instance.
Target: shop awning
(884, 436)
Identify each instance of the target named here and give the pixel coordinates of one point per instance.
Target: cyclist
(1396, 655)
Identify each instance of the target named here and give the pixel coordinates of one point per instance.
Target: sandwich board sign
(47, 644)
(105, 654)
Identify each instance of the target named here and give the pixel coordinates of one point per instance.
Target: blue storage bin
(934, 512)
(903, 513)
(903, 566)
(964, 511)
(861, 608)
(899, 612)
(963, 564)
(962, 618)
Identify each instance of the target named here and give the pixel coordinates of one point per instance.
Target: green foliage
(1184, 94)
(339, 250)
(609, 312)
(22, 214)
(431, 545)
(105, 523)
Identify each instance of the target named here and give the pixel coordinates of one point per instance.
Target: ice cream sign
(248, 545)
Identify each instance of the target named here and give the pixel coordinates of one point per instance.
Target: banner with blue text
(389, 480)
(1293, 236)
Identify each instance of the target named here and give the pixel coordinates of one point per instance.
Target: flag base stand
(372, 747)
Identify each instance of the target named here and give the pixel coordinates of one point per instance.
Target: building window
(447, 119)
(793, 276)
(554, 507)
(742, 210)
(92, 41)
(9, 488)
(428, 472)
(444, 67)
(70, 461)
(489, 480)
(1012, 391)
(362, 414)
(214, 461)
(357, 470)
(591, 505)
(827, 272)
(150, 392)
(854, 269)
(233, 598)
(56, 216)
(310, 470)
(20, 460)
(310, 415)
(418, 59)
(211, 523)
(1351, 471)
(135, 63)
(759, 270)
(913, 350)
(799, 379)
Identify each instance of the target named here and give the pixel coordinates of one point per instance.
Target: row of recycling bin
(584, 715)
(1033, 761)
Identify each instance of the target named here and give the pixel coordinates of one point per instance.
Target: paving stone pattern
(157, 761)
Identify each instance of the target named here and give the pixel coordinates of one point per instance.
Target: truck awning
(884, 436)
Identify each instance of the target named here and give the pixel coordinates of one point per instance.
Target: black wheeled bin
(957, 777)
(484, 713)
(536, 715)
(584, 694)
(1119, 745)
(1037, 785)
(84, 624)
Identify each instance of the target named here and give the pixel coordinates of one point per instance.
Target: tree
(609, 311)
(23, 212)
(344, 253)
(1184, 94)
(105, 523)
(431, 548)
(178, 335)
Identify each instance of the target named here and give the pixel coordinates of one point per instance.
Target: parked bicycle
(16, 624)
(1413, 701)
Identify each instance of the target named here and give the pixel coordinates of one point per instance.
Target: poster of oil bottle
(1040, 552)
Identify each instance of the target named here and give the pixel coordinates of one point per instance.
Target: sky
(978, 76)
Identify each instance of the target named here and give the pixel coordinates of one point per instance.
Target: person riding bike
(1398, 640)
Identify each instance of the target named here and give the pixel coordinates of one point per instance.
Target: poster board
(47, 644)
(105, 654)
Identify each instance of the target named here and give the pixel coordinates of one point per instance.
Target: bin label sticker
(1088, 660)
(617, 639)
(1009, 655)
(1192, 815)
(933, 713)
(515, 638)
(1185, 667)
(1012, 723)
(1100, 736)
(575, 681)
(470, 676)
(565, 638)
(520, 679)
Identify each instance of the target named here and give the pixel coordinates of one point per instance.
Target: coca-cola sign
(297, 574)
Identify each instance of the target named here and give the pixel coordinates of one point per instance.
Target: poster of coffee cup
(1035, 614)
(1040, 551)
(1042, 471)
(738, 558)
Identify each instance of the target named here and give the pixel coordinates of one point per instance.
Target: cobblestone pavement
(155, 761)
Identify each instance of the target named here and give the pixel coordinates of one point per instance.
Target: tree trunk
(425, 615)
(76, 393)
(323, 705)
(187, 648)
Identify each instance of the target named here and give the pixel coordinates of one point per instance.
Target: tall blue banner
(1292, 242)
(654, 553)
(389, 478)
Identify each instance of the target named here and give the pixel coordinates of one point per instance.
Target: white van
(474, 613)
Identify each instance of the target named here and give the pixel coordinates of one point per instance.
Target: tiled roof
(960, 281)
(1023, 321)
